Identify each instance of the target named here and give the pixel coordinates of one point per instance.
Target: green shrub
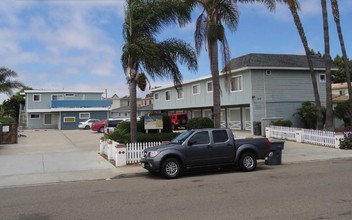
(7, 120)
(284, 123)
(346, 143)
(198, 123)
(120, 134)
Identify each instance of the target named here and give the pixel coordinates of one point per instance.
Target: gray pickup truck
(204, 148)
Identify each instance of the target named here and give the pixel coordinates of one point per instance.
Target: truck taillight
(268, 144)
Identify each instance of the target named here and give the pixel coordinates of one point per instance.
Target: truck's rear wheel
(171, 168)
(247, 162)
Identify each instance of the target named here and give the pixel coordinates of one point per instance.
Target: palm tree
(143, 53)
(294, 7)
(6, 83)
(209, 30)
(329, 124)
(336, 14)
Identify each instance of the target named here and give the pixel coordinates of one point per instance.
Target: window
(342, 92)
(34, 116)
(47, 119)
(236, 83)
(210, 86)
(268, 72)
(156, 96)
(36, 98)
(57, 97)
(180, 94)
(200, 138)
(84, 115)
(196, 89)
(69, 94)
(322, 78)
(167, 96)
(69, 119)
(220, 136)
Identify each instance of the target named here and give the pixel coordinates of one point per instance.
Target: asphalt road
(310, 190)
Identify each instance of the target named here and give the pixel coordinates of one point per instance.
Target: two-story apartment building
(262, 87)
(61, 109)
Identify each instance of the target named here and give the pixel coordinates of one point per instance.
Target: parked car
(111, 124)
(178, 120)
(87, 124)
(98, 126)
(205, 148)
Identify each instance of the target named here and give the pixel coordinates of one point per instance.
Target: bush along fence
(316, 137)
(123, 154)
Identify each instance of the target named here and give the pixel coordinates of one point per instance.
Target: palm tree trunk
(131, 76)
(302, 35)
(336, 13)
(214, 66)
(329, 124)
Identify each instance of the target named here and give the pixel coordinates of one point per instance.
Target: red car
(98, 126)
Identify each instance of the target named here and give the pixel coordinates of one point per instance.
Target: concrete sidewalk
(52, 156)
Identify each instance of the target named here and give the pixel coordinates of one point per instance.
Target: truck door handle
(209, 146)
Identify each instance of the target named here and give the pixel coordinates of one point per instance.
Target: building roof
(339, 98)
(276, 61)
(268, 61)
(59, 91)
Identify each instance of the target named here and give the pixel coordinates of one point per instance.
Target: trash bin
(275, 156)
(257, 128)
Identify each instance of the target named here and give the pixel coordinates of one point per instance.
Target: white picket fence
(135, 150)
(316, 137)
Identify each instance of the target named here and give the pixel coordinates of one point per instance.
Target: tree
(329, 123)
(6, 83)
(336, 14)
(294, 7)
(343, 112)
(339, 76)
(209, 31)
(141, 52)
(11, 107)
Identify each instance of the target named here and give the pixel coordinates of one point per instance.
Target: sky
(77, 44)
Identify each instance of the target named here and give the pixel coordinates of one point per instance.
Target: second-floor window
(36, 98)
(180, 94)
(209, 86)
(342, 92)
(57, 97)
(322, 78)
(236, 83)
(196, 89)
(167, 96)
(156, 96)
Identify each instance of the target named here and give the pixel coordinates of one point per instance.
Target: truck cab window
(220, 136)
(200, 138)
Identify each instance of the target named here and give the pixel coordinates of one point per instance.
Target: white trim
(212, 88)
(68, 109)
(168, 92)
(241, 83)
(40, 97)
(30, 116)
(70, 121)
(156, 99)
(80, 115)
(182, 92)
(197, 84)
(60, 91)
(322, 81)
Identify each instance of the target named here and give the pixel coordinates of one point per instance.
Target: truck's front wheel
(247, 162)
(171, 168)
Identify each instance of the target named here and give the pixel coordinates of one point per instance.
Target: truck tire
(171, 168)
(247, 162)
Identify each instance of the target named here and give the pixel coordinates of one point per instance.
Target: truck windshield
(181, 138)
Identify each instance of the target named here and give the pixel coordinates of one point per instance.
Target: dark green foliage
(284, 123)
(346, 143)
(120, 134)
(308, 114)
(340, 75)
(7, 120)
(143, 137)
(198, 123)
(342, 111)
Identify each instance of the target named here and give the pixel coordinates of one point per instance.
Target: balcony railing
(80, 103)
